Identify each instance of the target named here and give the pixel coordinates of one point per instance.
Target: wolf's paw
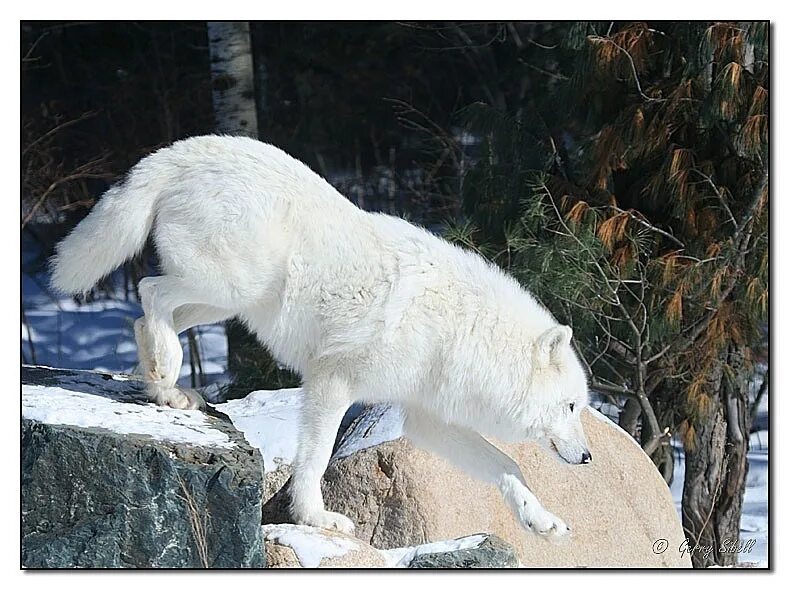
(545, 524)
(178, 398)
(530, 513)
(330, 520)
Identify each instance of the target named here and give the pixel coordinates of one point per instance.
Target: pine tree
(636, 208)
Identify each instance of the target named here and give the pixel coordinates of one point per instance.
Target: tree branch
(633, 68)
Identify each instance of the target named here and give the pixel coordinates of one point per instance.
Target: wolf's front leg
(474, 454)
(528, 509)
(325, 402)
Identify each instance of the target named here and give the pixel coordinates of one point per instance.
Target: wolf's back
(113, 232)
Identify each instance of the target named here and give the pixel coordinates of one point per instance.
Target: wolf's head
(558, 395)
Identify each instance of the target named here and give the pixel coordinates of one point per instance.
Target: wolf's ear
(552, 341)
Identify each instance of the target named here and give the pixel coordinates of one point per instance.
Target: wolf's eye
(573, 405)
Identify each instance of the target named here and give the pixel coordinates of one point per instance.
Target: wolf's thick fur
(364, 306)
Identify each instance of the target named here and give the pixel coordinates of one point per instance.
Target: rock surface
(109, 480)
(470, 552)
(491, 552)
(618, 506)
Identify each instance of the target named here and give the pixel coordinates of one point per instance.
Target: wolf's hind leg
(194, 314)
(164, 299)
(145, 360)
(474, 454)
(325, 402)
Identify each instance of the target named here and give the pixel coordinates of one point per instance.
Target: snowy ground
(99, 335)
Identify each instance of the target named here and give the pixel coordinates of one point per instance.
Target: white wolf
(365, 307)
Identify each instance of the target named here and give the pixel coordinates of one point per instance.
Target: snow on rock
(375, 426)
(403, 556)
(310, 545)
(62, 405)
(290, 545)
(269, 421)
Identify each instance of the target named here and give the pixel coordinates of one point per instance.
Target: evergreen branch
(719, 194)
(536, 44)
(756, 196)
(620, 347)
(659, 354)
(649, 225)
(656, 435)
(613, 343)
(633, 68)
(618, 303)
(697, 329)
(612, 368)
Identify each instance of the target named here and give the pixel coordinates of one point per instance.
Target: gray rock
(493, 552)
(108, 496)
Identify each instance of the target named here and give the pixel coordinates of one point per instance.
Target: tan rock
(618, 506)
(297, 546)
(280, 556)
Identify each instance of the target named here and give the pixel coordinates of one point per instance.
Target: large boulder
(618, 506)
(109, 480)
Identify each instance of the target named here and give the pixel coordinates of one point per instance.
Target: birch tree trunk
(233, 93)
(232, 78)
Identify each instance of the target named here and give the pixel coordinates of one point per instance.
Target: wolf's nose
(586, 457)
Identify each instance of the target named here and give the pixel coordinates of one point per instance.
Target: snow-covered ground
(100, 334)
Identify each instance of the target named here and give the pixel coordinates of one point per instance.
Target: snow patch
(309, 544)
(269, 421)
(402, 556)
(99, 335)
(377, 425)
(55, 405)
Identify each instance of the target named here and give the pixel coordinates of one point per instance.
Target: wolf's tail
(113, 232)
